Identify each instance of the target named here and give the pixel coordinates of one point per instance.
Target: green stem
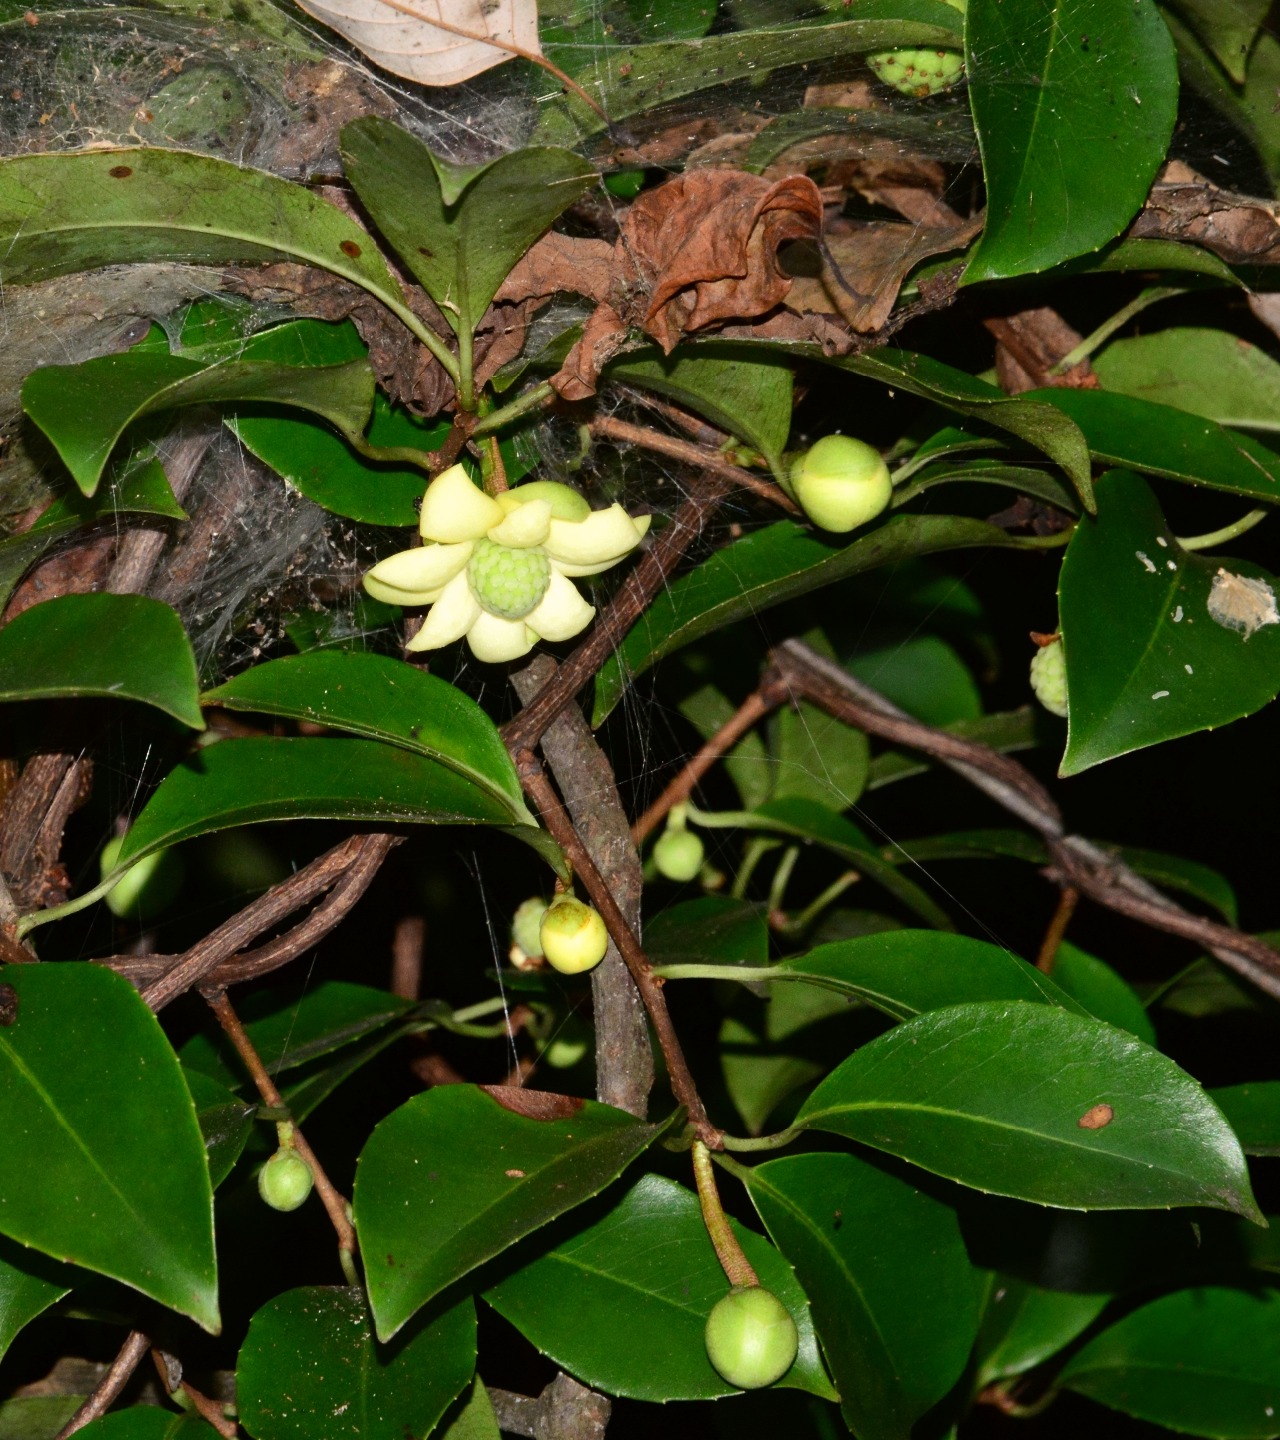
(533, 399)
(425, 334)
(1228, 532)
(744, 974)
(466, 371)
(27, 923)
(761, 1142)
(733, 1262)
(1090, 343)
(782, 877)
(757, 848)
(798, 923)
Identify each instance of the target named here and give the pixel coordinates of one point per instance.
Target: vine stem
(1068, 899)
(733, 1262)
(334, 1203)
(1228, 532)
(107, 1390)
(540, 790)
(768, 696)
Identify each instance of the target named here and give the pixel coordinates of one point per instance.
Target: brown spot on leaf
(8, 1004)
(1096, 1118)
(534, 1104)
(120, 172)
(350, 248)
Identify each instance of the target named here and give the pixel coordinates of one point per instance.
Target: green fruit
(919, 73)
(285, 1181)
(1049, 678)
(841, 483)
(526, 925)
(678, 854)
(751, 1337)
(507, 582)
(565, 502)
(573, 936)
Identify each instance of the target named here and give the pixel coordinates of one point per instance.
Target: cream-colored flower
(499, 570)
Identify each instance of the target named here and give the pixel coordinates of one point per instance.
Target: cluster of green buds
(919, 73)
(840, 483)
(500, 569)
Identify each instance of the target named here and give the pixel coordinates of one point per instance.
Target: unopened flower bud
(285, 1181)
(841, 483)
(678, 853)
(573, 936)
(751, 1338)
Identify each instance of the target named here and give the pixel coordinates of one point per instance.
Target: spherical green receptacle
(285, 1181)
(918, 73)
(841, 483)
(678, 854)
(573, 936)
(1049, 677)
(751, 1337)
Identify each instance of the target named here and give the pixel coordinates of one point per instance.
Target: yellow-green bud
(678, 853)
(565, 502)
(841, 483)
(526, 927)
(1049, 677)
(145, 887)
(285, 1181)
(751, 1337)
(573, 936)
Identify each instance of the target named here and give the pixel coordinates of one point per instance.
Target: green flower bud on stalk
(841, 483)
(526, 930)
(285, 1181)
(573, 936)
(1049, 674)
(751, 1338)
(678, 853)
(144, 888)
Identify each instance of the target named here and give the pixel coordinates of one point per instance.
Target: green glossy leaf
(923, 675)
(992, 1095)
(87, 1084)
(1102, 992)
(305, 1095)
(69, 212)
(84, 409)
(1039, 484)
(954, 142)
(29, 1284)
(1205, 372)
(1163, 441)
(1074, 102)
(626, 79)
(1169, 668)
(324, 468)
(455, 1176)
(148, 1422)
(623, 1304)
(383, 699)
(1173, 872)
(710, 930)
(239, 782)
(894, 1297)
(748, 764)
(459, 230)
(975, 845)
(1005, 731)
(1203, 1361)
(907, 972)
(1127, 254)
(807, 820)
(141, 490)
(1228, 28)
(289, 1029)
(1253, 1111)
(744, 393)
(1023, 1325)
(762, 570)
(818, 758)
(310, 1367)
(40, 1417)
(225, 1121)
(129, 647)
(472, 1417)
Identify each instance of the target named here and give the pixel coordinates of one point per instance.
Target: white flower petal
(603, 535)
(450, 618)
(454, 509)
(421, 572)
(492, 638)
(562, 612)
(525, 526)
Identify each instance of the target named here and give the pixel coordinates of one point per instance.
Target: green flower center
(508, 583)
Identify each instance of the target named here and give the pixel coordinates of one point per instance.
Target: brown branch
(650, 574)
(564, 1411)
(711, 461)
(107, 1390)
(333, 1202)
(768, 696)
(347, 869)
(1068, 899)
(542, 793)
(624, 1057)
(1078, 862)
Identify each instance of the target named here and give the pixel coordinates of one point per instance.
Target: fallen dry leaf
(435, 42)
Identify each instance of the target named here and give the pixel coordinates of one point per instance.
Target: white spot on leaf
(1160, 695)
(1242, 604)
(1146, 560)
